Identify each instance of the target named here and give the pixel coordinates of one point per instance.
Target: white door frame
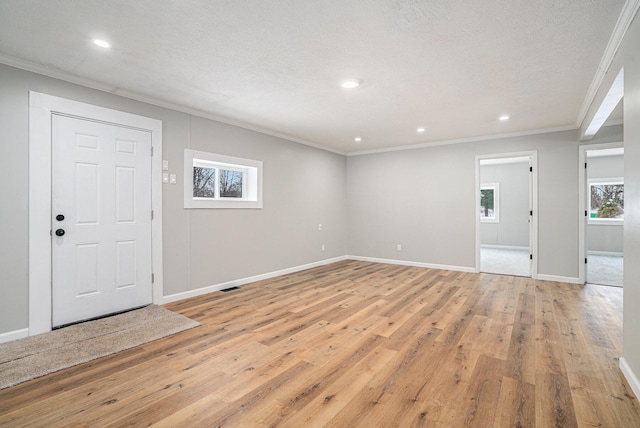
(582, 204)
(41, 108)
(533, 243)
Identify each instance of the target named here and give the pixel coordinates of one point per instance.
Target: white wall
(605, 237)
(628, 56)
(512, 230)
(303, 186)
(424, 199)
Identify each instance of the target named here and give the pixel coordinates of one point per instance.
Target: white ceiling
(451, 66)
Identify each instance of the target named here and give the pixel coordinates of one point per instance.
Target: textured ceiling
(452, 66)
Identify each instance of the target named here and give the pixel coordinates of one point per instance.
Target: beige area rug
(36, 356)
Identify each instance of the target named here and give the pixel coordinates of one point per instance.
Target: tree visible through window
(606, 200)
(489, 202)
(204, 182)
(213, 180)
(230, 184)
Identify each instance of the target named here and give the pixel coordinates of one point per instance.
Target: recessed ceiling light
(101, 43)
(421, 129)
(503, 117)
(357, 139)
(350, 83)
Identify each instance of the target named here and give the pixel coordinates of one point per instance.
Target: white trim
(242, 281)
(630, 376)
(504, 161)
(533, 194)
(57, 74)
(410, 263)
(605, 253)
(555, 278)
(627, 14)
(505, 247)
(464, 140)
(41, 108)
(10, 336)
(582, 202)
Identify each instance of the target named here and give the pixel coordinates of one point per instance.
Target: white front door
(101, 219)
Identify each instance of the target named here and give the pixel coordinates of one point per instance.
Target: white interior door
(101, 219)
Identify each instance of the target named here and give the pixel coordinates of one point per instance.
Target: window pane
(487, 203)
(607, 201)
(230, 184)
(204, 182)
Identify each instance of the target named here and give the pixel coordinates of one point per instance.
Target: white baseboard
(630, 376)
(410, 263)
(238, 282)
(605, 253)
(14, 335)
(569, 279)
(505, 247)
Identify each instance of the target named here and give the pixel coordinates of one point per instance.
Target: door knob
(59, 232)
(59, 217)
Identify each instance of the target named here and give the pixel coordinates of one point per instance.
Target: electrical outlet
(399, 247)
(165, 165)
(165, 177)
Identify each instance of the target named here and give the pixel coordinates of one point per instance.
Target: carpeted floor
(506, 261)
(604, 270)
(601, 269)
(35, 356)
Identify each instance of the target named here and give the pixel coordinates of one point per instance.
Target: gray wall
(513, 227)
(605, 237)
(303, 187)
(424, 199)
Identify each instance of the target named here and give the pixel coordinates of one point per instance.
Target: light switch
(165, 177)
(172, 179)
(165, 165)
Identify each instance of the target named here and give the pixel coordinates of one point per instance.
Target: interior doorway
(602, 199)
(506, 225)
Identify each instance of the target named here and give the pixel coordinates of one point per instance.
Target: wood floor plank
(359, 344)
(516, 405)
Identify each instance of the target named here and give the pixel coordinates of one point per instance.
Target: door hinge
(151, 214)
(585, 165)
(153, 278)
(151, 150)
(530, 256)
(585, 213)
(585, 260)
(530, 169)
(531, 212)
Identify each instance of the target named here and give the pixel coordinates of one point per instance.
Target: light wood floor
(360, 344)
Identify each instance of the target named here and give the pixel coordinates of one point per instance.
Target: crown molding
(68, 77)
(464, 140)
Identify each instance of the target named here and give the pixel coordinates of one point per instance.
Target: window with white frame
(490, 203)
(218, 181)
(606, 201)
